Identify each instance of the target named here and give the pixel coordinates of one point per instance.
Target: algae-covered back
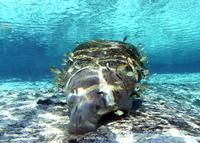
(116, 55)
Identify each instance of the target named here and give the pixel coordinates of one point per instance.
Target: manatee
(99, 77)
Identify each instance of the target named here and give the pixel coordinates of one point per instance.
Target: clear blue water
(34, 34)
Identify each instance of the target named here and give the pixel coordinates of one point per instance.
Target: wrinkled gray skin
(83, 107)
(83, 117)
(100, 78)
(86, 107)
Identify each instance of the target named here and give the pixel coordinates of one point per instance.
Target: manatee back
(121, 65)
(119, 58)
(106, 51)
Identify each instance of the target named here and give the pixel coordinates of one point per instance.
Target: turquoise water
(34, 34)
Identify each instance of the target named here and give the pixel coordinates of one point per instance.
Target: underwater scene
(99, 71)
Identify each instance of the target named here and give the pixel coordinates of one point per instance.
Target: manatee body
(99, 77)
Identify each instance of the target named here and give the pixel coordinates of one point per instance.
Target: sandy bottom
(170, 113)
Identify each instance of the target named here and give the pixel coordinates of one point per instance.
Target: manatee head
(86, 110)
(88, 98)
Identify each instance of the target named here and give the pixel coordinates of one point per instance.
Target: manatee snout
(83, 118)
